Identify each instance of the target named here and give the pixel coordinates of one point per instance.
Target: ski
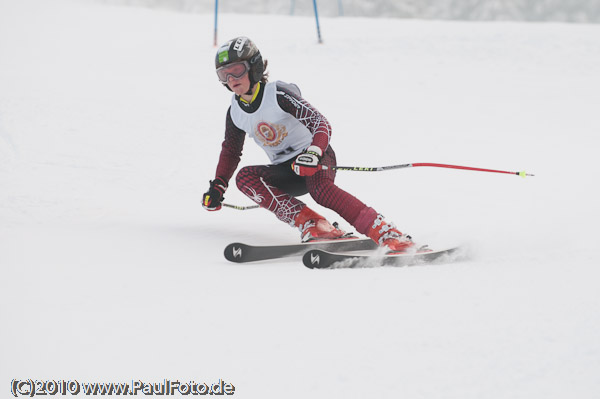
(242, 253)
(324, 259)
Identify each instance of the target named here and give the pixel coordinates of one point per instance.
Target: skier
(296, 138)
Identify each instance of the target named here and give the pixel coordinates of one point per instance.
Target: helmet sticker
(224, 53)
(239, 45)
(223, 56)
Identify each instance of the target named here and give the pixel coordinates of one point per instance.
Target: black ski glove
(211, 200)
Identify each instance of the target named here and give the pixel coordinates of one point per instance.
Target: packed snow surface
(111, 121)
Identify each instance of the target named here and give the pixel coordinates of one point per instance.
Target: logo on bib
(270, 135)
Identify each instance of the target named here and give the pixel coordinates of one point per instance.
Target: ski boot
(387, 235)
(314, 227)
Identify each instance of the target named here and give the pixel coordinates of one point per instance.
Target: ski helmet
(241, 49)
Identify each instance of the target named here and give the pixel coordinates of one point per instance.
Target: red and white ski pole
(383, 168)
(413, 165)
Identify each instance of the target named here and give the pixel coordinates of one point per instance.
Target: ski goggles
(236, 70)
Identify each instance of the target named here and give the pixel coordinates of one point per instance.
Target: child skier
(296, 138)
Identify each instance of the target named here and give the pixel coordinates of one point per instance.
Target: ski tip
(234, 252)
(312, 259)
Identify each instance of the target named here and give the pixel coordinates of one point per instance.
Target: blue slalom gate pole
(317, 18)
(216, 13)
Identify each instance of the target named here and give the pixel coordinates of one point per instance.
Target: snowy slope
(470, 10)
(111, 120)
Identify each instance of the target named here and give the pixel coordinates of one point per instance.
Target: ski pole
(411, 165)
(383, 168)
(241, 208)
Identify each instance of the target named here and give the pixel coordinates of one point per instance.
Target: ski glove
(211, 200)
(309, 162)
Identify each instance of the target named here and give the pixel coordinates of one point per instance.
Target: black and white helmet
(241, 49)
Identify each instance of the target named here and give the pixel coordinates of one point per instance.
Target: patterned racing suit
(284, 125)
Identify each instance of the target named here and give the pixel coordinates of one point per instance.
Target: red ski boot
(314, 227)
(387, 235)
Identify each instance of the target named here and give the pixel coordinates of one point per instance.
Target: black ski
(241, 253)
(323, 259)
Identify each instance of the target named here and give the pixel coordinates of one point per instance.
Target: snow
(111, 120)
